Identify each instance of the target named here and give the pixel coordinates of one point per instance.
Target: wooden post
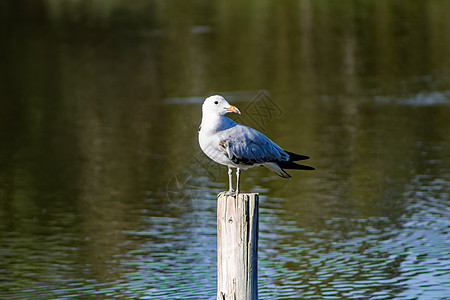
(237, 247)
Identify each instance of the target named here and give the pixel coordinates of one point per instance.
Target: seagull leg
(238, 173)
(230, 182)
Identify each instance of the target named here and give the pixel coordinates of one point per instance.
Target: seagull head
(217, 105)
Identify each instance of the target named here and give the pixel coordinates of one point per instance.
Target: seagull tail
(276, 168)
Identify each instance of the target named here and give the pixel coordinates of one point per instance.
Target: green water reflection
(99, 111)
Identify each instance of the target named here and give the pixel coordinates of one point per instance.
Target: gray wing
(245, 145)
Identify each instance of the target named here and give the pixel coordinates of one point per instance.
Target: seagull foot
(228, 193)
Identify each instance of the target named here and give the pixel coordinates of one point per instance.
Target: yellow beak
(234, 109)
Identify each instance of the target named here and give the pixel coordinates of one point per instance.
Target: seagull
(238, 146)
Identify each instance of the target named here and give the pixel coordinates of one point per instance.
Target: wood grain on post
(237, 247)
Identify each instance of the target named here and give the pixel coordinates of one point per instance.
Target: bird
(238, 146)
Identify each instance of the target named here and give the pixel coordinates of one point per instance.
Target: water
(104, 192)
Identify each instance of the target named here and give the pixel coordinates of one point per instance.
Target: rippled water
(104, 192)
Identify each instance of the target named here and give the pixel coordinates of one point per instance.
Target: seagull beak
(234, 109)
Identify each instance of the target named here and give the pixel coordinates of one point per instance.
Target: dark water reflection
(104, 193)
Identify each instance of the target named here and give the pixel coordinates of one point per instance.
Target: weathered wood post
(237, 247)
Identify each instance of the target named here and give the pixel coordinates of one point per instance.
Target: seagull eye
(216, 102)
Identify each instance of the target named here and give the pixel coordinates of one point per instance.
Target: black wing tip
(294, 166)
(294, 156)
(309, 168)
